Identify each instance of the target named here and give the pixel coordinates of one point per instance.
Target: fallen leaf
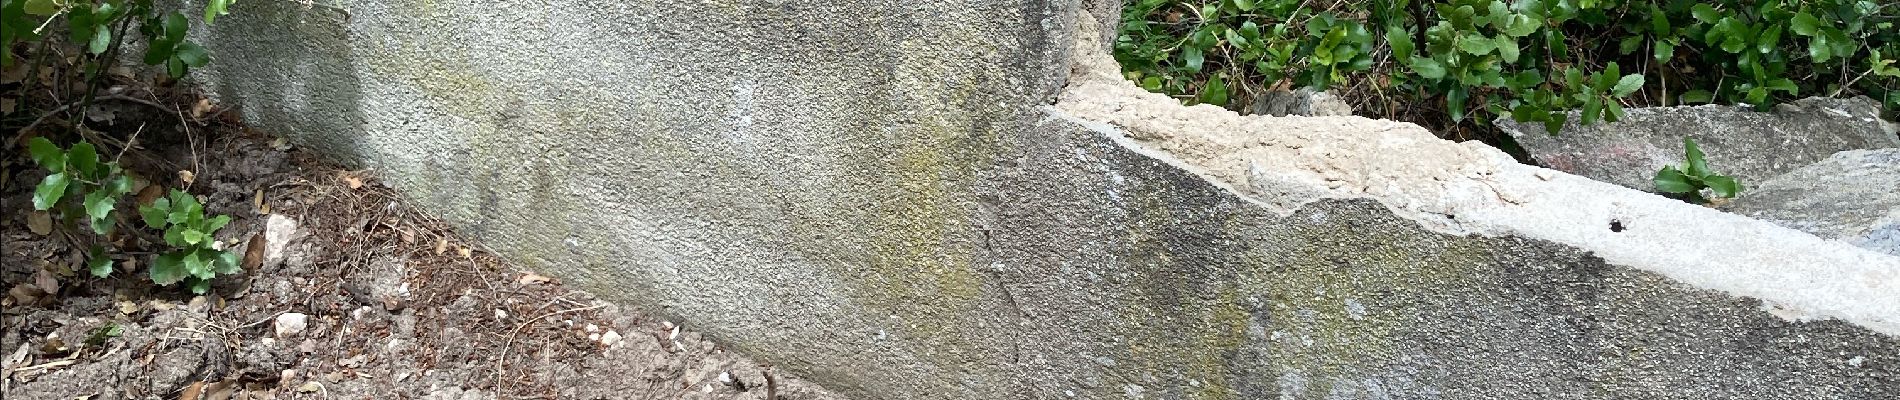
(254, 252)
(310, 387)
(192, 392)
(25, 293)
(280, 144)
(40, 222)
(257, 202)
(355, 183)
(198, 110)
(533, 279)
(441, 246)
(221, 390)
(150, 194)
(127, 307)
(408, 235)
(464, 251)
(187, 177)
(7, 105)
(46, 281)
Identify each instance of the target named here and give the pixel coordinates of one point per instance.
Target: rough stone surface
(1750, 146)
(1853, 196)
(1301, 102)
(877, 196)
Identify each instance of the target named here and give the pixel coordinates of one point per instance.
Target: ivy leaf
(101, 40)
(1507, 48)
(47, 154)
(1722, 185)
(168, 268)
(1428, 68)
(1214, 93)
(1522, 25)
(1670, 180)
(1243, 5)
(1477, 45)
(42, 7)
(192, 55)
(84, 158)
(1455, 101)
(227, 263)
(1658, 20)
(175, 26)
(155, 214)
(49, 191)
(1629, 84)
(99, 204)
(98, 263)
(1783, 84)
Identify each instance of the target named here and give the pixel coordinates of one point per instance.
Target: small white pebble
(667, 324)
(725, 377)
(593, 337)
(706, 389)
(591, 328)
(499, 314)
(1856, 361)
(674, 335)
(610, 338)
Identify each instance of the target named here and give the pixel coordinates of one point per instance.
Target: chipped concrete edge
(1283, 163)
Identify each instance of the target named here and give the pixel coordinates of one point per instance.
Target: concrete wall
(958, 199)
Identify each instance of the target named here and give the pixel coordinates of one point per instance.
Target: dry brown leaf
(40, 222)
(258, 203)
(464, 251)
(533, 279)
(441, 246)
(355, 183)
(127, 307)
(187, 177)
(408, 235)
(254, 252)
(150, 194)
(222, 390)
(198, 110)
(7, 105)
(25, 293)
(46, 281)
(192, 392)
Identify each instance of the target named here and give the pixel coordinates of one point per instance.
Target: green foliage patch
(1529, 60)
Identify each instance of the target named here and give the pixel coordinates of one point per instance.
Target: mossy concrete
(871, 194)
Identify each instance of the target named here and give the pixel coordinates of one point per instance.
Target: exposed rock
(1750, 146)
(290, 324)
(1853, 196)
(1302, 102)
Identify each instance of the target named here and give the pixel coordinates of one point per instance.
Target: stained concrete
(1852, 196)
(883, 198)
(1739, 142)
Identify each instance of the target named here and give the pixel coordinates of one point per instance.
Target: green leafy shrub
(1694, 176)
(1529, 60)
(195, 258)
(79, 184)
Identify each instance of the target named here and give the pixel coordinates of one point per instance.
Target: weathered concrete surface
(1853, 196)
(878, 196)
(1750, 146)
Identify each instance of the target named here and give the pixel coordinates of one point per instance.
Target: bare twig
(69, 106)
(499, 361)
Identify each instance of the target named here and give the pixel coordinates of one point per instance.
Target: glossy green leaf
(1805, 24)
(1697, 165)
(1477, 45)
(42, 7)
(1703, 12)
(1243, 5)
(227, 263)
(1592, 108)
(47, 154)
(175, 26)
(1658, 20)
(99, 204)
(98, 263)
(1769, 40)
(1194, 58)
(1401, 42)
(168, 268)
(1455, 102)
(1696, 96)
(1723, 186)
(49, 191)
(84, 158)
(156, 213)
(1522, 25)
(101, 40)
(1670, 180)
(1613, 111)
(1628, 84)
(192, 55)
(1663, 50)
(1428, 68)
(1507, 48)
(191, 236)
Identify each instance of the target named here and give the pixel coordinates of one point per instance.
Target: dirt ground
(355, 295)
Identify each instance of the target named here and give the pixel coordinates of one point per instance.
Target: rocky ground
(351, 295)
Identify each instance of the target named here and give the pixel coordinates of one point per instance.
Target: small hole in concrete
(1616, 226)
